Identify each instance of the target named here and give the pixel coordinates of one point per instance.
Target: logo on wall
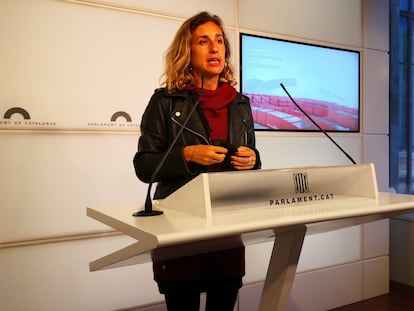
(119, 114)
(118, 120)
(301, 182)
(18, 117)
(23, 112)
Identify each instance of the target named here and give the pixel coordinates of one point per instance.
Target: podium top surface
(175, 227)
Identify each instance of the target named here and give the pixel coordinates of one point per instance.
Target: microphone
(317, 125)
(148, 210)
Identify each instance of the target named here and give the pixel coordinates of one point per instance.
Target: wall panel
(375, 92)
(48, 180)
(324, 20)
(181, 9)
(55, 276)
(337, 285)
(292, 150)
(318, 251)
(376, 21)
(79, 66)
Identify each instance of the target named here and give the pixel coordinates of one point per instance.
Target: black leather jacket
(161, 122)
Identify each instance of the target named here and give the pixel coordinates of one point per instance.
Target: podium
(215, 210)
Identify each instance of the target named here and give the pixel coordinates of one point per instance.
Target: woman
(218, 136)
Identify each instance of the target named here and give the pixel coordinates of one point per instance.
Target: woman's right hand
(204, 154)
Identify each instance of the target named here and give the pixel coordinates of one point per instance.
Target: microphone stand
(148, 209)
(317, 125)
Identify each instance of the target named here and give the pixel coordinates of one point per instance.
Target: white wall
(72, 66)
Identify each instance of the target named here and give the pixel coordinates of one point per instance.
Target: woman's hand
(204, 154)
(243, 159)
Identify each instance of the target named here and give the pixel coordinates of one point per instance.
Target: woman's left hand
(243, 159)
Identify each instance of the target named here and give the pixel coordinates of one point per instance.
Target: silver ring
(250, 159)
(214, 161)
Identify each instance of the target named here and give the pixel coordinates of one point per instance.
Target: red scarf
(214, 104)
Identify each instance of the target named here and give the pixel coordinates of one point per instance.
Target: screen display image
(324, 82)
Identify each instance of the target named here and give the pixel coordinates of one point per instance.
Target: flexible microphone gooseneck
(317, 125)
(148, 210)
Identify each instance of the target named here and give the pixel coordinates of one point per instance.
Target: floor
(400, 298)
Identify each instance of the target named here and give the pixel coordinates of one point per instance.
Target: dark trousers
(221, 294)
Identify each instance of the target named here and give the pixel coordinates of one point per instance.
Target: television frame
(277, 112)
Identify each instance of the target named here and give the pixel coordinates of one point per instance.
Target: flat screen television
(324, 81)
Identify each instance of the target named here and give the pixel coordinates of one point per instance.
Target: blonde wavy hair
(177, 73)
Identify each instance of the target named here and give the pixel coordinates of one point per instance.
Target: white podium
(214, 211)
